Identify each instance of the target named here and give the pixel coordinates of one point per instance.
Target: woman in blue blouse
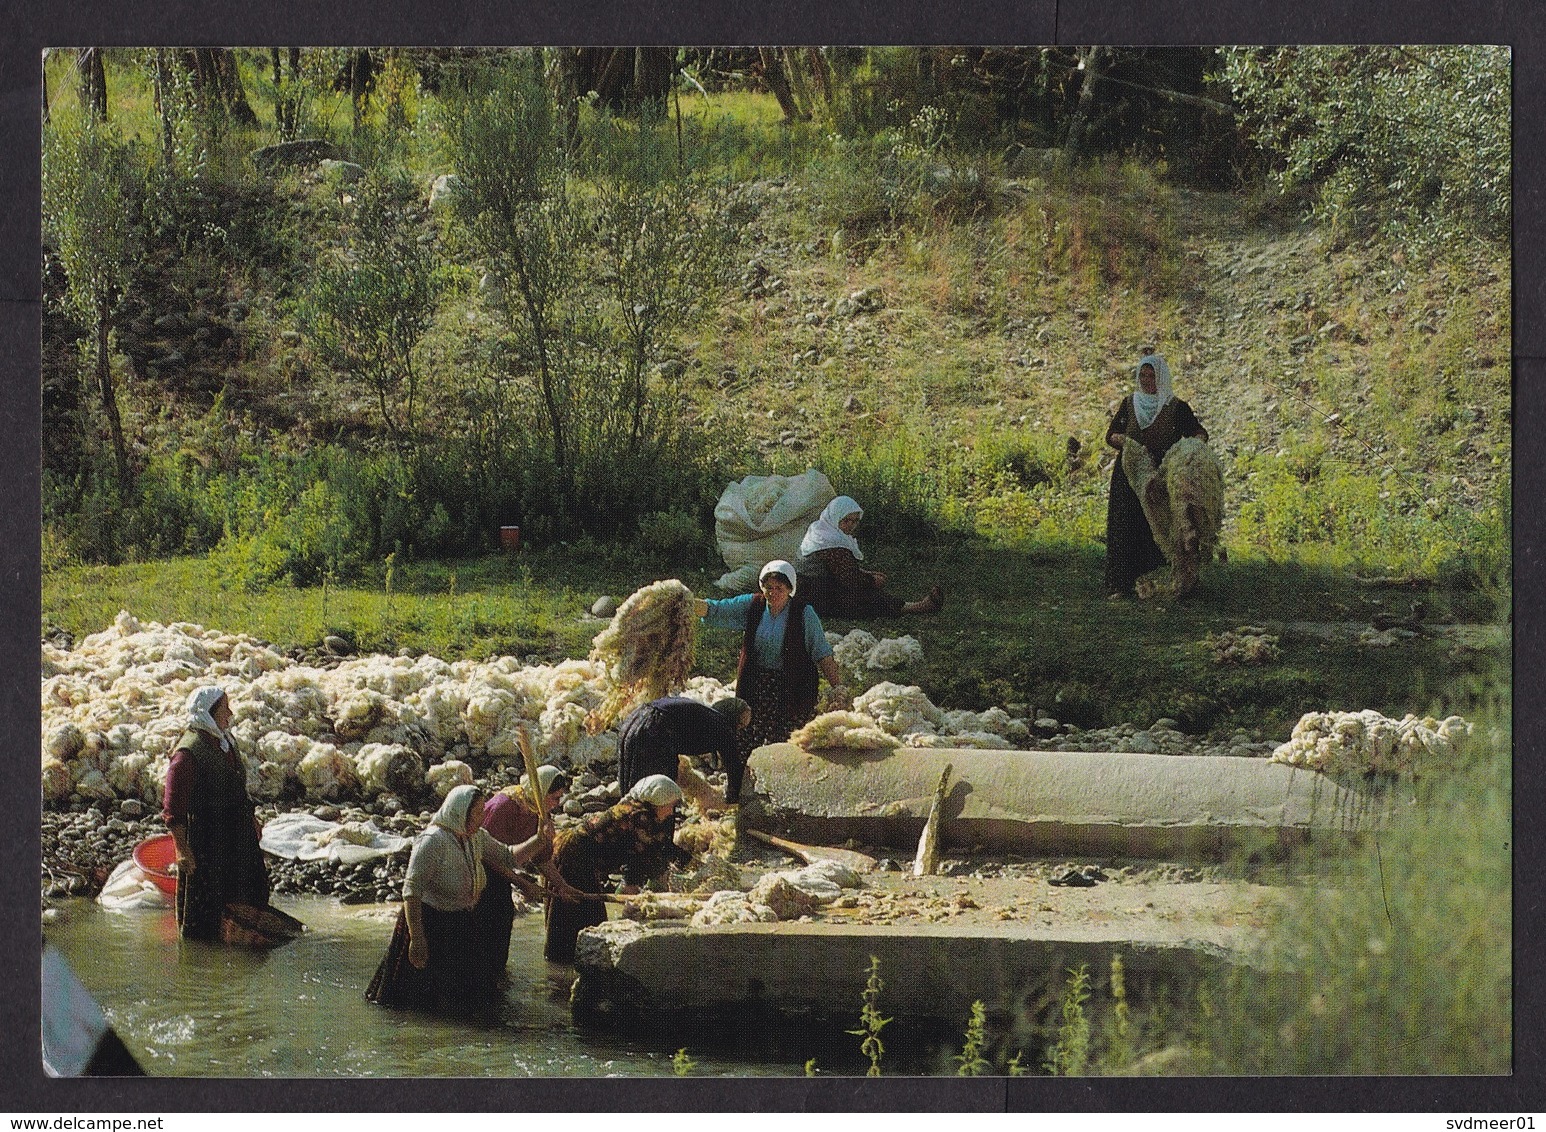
(777, 670)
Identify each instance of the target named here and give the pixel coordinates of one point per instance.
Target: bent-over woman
(438, 953)
(1154, 416)
(633, 837)
(213, 823)
(782, 648)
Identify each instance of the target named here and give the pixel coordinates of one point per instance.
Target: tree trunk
(233, 95)
(163, 98)
(110, 403)
(652, 70)
(361, 74)
(1093, 58)
(93, 82)
(796, 74)
(821, 71)
(567, 66)
(778, 83)
(44, 85)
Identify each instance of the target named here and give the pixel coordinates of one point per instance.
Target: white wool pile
(901, 709)
(648, 650)
(447, 776)
(859, 650)
(852, 729)
(1368, 741)
(976, 740)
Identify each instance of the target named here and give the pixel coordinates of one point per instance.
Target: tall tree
(88, 220)
(91, 78)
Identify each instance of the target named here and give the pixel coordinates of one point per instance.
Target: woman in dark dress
(212, 821)
(831, 578)
(1156, 418)
(633, 837)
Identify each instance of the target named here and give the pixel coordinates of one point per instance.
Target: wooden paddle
(810, 854)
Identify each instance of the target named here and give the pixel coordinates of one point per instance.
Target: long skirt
(830, 598)
(228, 869)
(495, 915)
(1131, 551)
(455, 975)
(565, 920)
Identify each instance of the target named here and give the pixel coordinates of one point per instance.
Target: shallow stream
(198, 1010)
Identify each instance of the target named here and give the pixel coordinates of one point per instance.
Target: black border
(31, 26)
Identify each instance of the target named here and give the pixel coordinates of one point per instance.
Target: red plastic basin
(155, 857)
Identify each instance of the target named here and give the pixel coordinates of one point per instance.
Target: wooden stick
(538, 798)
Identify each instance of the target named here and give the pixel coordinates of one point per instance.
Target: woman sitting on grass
(835, 584)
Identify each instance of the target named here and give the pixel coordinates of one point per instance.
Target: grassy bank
(1021, 625)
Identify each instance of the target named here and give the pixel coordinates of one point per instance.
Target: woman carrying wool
(782, 648)
(1155, 417)
(633, 837)
(437, 955)
(212, 821)
(835, 584)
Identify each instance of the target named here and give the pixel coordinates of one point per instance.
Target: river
(196, 1010)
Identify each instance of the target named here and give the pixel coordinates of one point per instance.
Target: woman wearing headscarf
(212, 821)
(633, 837)
(1156, 418)
(436, 956)
(835, 584)
(782, 648)
(510, 817)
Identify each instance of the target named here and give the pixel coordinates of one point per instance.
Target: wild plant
(871, 1021)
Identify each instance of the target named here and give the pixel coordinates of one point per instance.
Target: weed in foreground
(971, 1060)
(871, 1021)
(1068, 1057)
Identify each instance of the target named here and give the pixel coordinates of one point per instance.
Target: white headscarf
(547, 774)
(453, 811)
(452, 816)
(199, 717)
(825, 534)
(782, 568)
(1147, 406)
(656, 789)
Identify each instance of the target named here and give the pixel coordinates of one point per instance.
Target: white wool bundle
(266, 780)
(732, 908)
(57, 781)
(1183, 498)
(357, 712)
(446, 776)
(648, 649)
(1368, 741)
(1246, 645)
(63, 741)
(379, 766)
(851, 729)
(894, 651)
(126, 775)
(490, 710)
(324, 771)
(900, 709)
(282, 748)
(974, 740)
(92, 783)
(851, 650)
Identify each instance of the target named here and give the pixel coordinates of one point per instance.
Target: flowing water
(196, 1010)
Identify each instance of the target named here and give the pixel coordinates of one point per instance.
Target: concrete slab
(814, 972)
(1058, 802)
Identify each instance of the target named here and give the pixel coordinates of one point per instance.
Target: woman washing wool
(212, 821)
(1155, 417)
(834, 583)
(438, 953)
(782, 647)
(510, 817)
(633, 837)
